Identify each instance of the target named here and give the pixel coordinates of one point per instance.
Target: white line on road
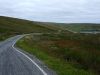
(44, 73)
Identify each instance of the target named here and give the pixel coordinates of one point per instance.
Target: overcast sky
(87, 11)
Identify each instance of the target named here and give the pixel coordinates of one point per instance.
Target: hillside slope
(12, 26)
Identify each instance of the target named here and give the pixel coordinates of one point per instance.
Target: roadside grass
(54, 62)
(5, 35)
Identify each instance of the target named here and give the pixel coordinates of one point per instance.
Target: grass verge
(61, 67)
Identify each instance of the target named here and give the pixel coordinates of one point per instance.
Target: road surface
(14, 62)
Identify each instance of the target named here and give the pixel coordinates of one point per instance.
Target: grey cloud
(53, 10)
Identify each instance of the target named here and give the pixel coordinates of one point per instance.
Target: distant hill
(25, 26)
(12, 26)
(72, 27)
(78, 27)
(75, 27)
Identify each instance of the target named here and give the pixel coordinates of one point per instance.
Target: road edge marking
(44, 73)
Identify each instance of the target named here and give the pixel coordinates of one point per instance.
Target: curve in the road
(15, 62)
(44, 73)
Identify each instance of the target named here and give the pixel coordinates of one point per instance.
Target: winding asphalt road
(14, 62)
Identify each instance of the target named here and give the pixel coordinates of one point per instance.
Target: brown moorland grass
(80, 50)
(83, 49)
